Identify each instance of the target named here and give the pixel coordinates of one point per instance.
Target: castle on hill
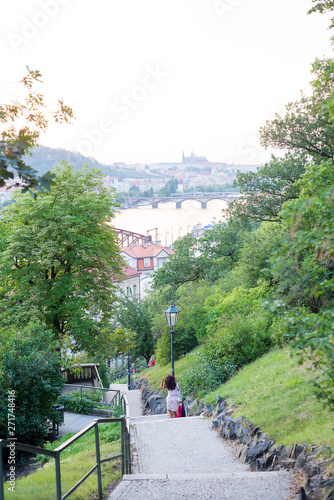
(193, 159)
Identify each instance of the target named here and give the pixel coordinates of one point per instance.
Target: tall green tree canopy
(59, 257)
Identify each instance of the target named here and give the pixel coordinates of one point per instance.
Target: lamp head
(171, 316)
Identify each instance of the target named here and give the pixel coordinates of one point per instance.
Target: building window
(134, 289)
(128, 292)
(147, 262)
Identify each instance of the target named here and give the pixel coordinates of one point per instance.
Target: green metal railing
(116, 399)
(125, 454)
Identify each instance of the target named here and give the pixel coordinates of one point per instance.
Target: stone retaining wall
(252, 445)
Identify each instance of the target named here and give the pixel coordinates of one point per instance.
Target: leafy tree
(190, 330)
(309, 249)
(307, 126)
(59, 258)
(265, 191)
(258, 246)
(122, 340)
(29, 366)
(220, 247)
(303, 263)
(208, 257)
(148, 193)
(134, 190)
(16, 141)
(239, 331)
(183, 266)
(135, 316)
(170, 187)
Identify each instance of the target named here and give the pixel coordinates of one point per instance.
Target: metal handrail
(113, 402)
(125, 454)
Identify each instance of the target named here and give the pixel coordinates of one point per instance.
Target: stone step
(199, 475)
(216, 486)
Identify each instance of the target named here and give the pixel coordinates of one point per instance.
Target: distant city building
(193, 159)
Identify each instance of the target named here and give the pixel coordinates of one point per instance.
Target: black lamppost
(171, 317)
(129, 381)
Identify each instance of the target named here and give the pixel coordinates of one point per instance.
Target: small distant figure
(172, 399)
(151, 362)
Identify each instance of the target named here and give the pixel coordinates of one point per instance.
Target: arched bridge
(179, 198)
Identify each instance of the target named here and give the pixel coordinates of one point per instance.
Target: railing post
(2, 491)
(80, 393)
(98, 461)
(58, 478)
(127, 452)
(123, 444)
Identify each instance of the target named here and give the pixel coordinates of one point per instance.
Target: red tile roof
(130, 272)
(141, 251)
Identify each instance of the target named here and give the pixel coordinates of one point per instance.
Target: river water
(171, 222)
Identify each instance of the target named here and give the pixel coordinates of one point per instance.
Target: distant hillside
(45, 158)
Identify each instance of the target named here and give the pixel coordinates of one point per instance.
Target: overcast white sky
(149, 79)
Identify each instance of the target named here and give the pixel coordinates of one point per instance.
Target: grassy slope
(76, 461)
(275, 393)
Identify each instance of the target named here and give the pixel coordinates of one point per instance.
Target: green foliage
(304, 273)
(76, 461)
(204, 376)
(135, 316)
(59, 258)
(29, 366)
(256, 250)
(183, 266)
(240, 340)
(219, 248)
(122, 339)
(307, 125)
(208, 257)
(276, 393)
(28, 121)
(312, 337)
(191, 326)
(239, 333)
(170, 187)
(265, 191)
(323, 6)
(73, 401)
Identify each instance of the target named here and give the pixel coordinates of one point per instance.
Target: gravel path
(185, 458)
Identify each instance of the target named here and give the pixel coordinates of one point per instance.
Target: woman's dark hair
(170, 382)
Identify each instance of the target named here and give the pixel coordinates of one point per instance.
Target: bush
(29, 366)
(75, 403)
(204, 376)
(240, 340)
